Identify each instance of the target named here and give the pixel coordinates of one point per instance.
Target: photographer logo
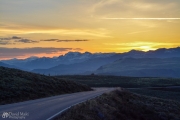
(15, 115)
(5, 115)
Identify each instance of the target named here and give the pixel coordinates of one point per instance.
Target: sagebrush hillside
(123, 105)
(121, 81)
(17, 85)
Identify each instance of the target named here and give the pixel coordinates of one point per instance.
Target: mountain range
(142, 67)
(158, 63)
(85, 67)
(7, 65)
(45, 62)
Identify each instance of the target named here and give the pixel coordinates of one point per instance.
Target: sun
(146, 48)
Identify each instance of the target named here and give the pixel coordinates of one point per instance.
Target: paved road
(43, 109)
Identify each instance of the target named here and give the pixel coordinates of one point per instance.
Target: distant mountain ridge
(142, 67)
(159, 53)
(87, 63)
(85, 67)
(7, 65)
(45, 62)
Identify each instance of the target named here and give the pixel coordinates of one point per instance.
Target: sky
(54, 27)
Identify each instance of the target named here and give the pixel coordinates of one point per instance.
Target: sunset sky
(54, 27)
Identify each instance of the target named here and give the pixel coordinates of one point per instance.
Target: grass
(123, 105)
(17, 86)
(172, 94)
(132, 82)
(119, 81)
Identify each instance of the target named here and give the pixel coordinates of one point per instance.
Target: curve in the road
(48, 108)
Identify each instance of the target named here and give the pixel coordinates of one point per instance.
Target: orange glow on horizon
(107, 25)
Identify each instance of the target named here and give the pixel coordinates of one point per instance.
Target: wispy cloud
(72, 40)
(141, 18)
(26, 41)
(10, 38)
(48, 40)
(16, 37)
(55, 31)
(37, 50)
(137, 10)
(4, 42)
(58, 40)
(14, 40)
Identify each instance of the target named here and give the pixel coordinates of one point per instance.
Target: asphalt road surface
(46, 108)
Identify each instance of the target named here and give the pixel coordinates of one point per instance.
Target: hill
(143, 67)
(121, 104)
(7, 65)
(17, 86)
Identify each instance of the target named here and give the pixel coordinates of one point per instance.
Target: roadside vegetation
(17, 86)
(164, 93)
(123, 105)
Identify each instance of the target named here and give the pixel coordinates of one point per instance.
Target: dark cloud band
(27, 41)
(17, 39)
(57, 40)
(14, 40)
(16, 52)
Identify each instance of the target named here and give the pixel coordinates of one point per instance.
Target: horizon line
(85, 52)
(141, 18)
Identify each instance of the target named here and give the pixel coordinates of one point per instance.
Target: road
(46, 108)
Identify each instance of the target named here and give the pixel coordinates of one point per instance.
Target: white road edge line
(50, 118)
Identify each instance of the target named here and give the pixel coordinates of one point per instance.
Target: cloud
(10, 38)
(140, 8)
(16, 37)
(14, 40)
(72, 40)
(19, 52)
(4, 42)
(142, 18)
(32, 50)
(57, 40)
(96, 32)
(26, 41)
(50, 40)
(5, 38)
